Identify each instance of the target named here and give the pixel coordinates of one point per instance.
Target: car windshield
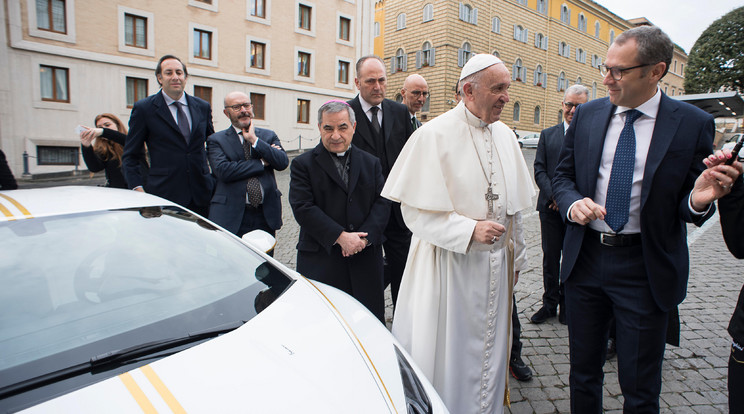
(84, 284)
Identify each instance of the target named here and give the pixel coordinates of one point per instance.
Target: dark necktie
(621, 175)
(253, 187)
(414, 124)
(183, 122)
(379, 140)
(375, 122)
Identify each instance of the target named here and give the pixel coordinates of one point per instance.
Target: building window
(202, 44)
(55, 84)
(560, 116)
(541, 41)
(259, 103)
(258, 53)
(257, 8)
(496, 53)
(682, 69)
(47, 155)
(400, 22)
(675, 66)
(565, 14)
(51, 15)
(496, 25)
(425, 57)
(303, 111)
(536, 119)
(464, 54)
(579, 81)
(428, 13)
(399, 62)
(542, 6)
(306, 14)
(203, 92)
(516, 111)
(564, 49)
(135, 31)
(561, 82)
(596, 61)
(518, 71)
(540, 79)
(468, 14)
(136, 90)
(343, 72)
(303, 64)
(522, 2)
(580, 55)
(594, 90)
(582, 22)
(377, 29)
(344, 28)
(612, 36)
(520, 33)
(596, 29)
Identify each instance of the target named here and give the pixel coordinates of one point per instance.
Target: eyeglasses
(238, 107)
(570, 105)
(617, 73)
(419, 93)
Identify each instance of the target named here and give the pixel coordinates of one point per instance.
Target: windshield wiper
(116, 358)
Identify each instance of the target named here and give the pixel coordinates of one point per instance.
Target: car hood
(298, 355)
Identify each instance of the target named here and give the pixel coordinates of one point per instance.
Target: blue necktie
(621, 176)
(183, 122)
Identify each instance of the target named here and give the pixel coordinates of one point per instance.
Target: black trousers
(552, 231)
(736, 379)
(606, 281)
(396, 245)
(516, 348)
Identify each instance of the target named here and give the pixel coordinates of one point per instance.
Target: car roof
(55, 201)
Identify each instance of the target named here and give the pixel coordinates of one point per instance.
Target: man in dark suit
(382, 128)
(334, 192)
(415, 92)
(243, 158)
(7, 181)
(626, 184)
(552, 228)
(174, 126)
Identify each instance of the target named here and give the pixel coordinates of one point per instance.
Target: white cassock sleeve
(444, 229)
(520, 247)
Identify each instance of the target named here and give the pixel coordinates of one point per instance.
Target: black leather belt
(615, 240)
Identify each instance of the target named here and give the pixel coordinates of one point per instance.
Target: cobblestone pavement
(694, 374)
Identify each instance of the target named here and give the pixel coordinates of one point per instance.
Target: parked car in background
(529, 141)
(731, 142)
(117, 301)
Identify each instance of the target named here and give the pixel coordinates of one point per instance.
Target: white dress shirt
(174, 110)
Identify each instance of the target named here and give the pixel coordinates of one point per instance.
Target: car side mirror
(260, 240)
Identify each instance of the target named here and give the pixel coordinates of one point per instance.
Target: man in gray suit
(552, 227)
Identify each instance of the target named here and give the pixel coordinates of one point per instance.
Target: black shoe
(611, 349)
(562, 315)
(542, 315)
(520, 370)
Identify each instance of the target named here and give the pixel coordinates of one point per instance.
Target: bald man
(243, 158)
(415, 92)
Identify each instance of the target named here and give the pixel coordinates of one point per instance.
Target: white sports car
(114, 301)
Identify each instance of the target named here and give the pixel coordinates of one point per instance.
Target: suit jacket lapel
(665, 128)
(363, 126)
(354, 168)
(387, 120)
(595, 143)
(323, 159)
(196, 115)
(164, 112)
(234, 144)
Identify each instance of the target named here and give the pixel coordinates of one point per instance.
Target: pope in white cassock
(462, 181)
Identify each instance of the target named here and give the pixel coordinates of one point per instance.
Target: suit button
(351, 227)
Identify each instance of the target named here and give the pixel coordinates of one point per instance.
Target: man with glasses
(627, 185)
(243, 158)
(415, 92)
(552, 228)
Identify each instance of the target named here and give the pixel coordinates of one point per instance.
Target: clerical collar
(473, 120)
(341, 154)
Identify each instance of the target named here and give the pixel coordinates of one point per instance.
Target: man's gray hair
(333, 107)
(654, 45)
(576, 90)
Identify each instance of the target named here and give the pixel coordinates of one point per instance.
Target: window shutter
(523, 72)
(460, 57)
(525, 36)
(537, 40)
(418, 59)
(431, 57)
(392, 64)
(474, 19)
(516, 35)
(545, 43)
(545, 80)
(462, 11)
(405, 63)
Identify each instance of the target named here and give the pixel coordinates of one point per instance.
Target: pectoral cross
(490, 196)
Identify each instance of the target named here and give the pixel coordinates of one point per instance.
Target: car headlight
(417, 402)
